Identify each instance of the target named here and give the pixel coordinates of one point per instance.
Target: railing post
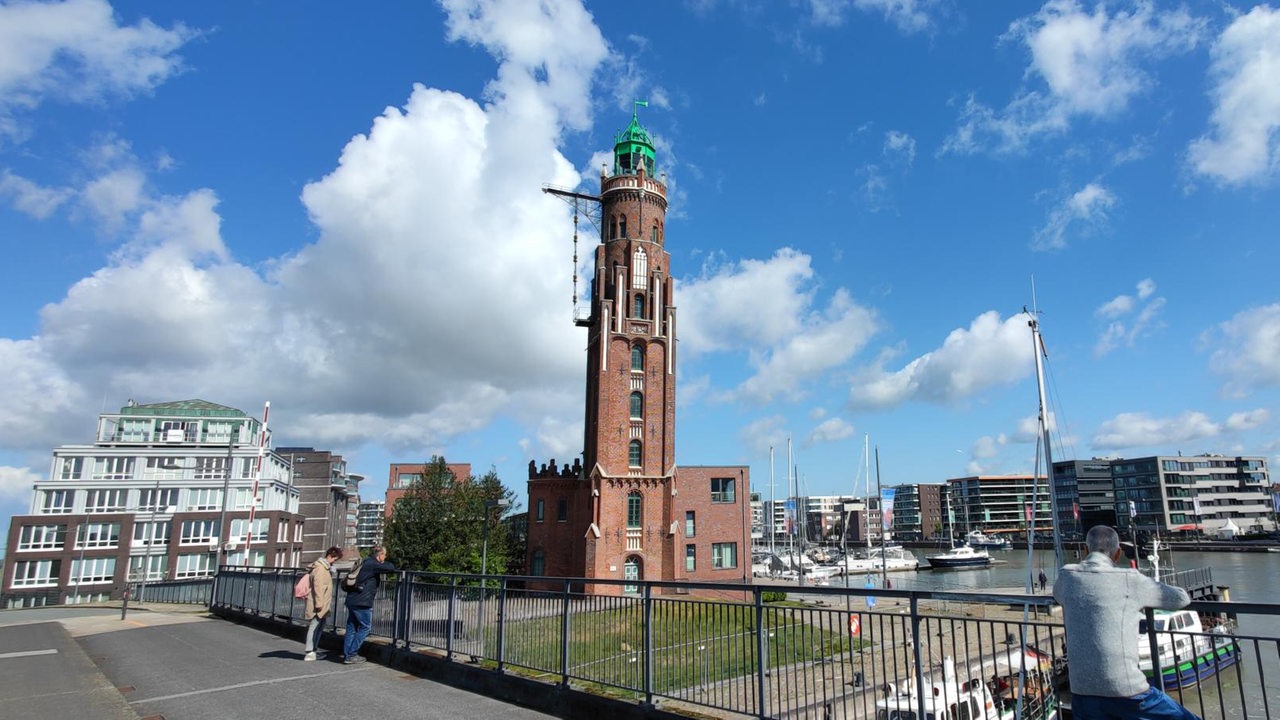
(1157, 670)
(453, 599)
(502, 614)
(915, 652)
(275, 594)
(244, 592)
(648, 644)
(213, 591)
(564, 636)
(408, 608)
(762, 653)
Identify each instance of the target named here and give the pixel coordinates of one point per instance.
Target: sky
(339, 210)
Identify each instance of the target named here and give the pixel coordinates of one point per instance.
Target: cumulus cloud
(1086, 209)
(1132, 430)
(788, 340)
(75, 51)
(28, 197)
(1248, 350)
(759, 436)
(1082, 63)
(391, 327)
(1128, 317)
(16, 484)
(830, 430)
(991, 351)
(1248, 420)
(1242, 145)
(899, 146)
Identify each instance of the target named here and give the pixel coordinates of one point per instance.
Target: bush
(773, 596)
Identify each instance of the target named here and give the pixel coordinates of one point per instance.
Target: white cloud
(1248, 350)
(900, 145)
(17, 483)
(1086, 207)
(1131, 430)
(1087, 64)
(28, 197)
(830, 430)
(990, 352)
(758, 436)
(390, 328)
(1242, 145)
(788, 339)
(75, 51)
(910, 16)
(1122, 330)
(1248, 420)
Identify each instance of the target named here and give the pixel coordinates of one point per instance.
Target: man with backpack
(362, 585)
(319, 597)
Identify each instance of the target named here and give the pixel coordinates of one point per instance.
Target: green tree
(439, 524)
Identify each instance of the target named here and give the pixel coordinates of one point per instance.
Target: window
(170, 468)
(98, 535)
(639, 271)
(204, 499)
(721, 490)
(194, 565)
(622, 226)
(406, 480)
(244, 499)
(240, 526)
(72, 468)
(162, 500)
(157, 567)
(613, 227)
(152, 533)
(637, 359)
(690, 557)
(541, 512)
(635, 510)
(113, 468)
(257, 558)
(248, 467)
(105, 501)
(637, 406)
(653, 232)
(539, 564)
(637, 307)
(634, 456)
(210, 468)
(199, 532)
(562, 510)
(36, 573)
(724, 555)
(92, 571)
(57, 502)
(42, 537)
(689, 527)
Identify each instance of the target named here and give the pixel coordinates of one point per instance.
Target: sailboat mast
(773, 506)
(866, 491)
(884, 550)
(1038, 350)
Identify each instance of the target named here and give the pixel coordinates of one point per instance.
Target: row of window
(95, 571)
(618, 229)
(723, 556)
(123, 468)
(722, 491)
(164, 500)
(107, 535)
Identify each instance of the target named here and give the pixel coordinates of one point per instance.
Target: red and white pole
(257, 479)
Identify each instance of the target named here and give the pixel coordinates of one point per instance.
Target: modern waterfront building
(328, 497)
(626, 510)
(1000, 504)
(918, 512)
(1085, 490)
(1205, 493)
(165, 491)
(370, 522)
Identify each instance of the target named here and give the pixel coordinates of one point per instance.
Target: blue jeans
(1150, 705)
(359, 623)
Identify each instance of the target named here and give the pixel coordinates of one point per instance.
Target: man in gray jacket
(1101, 607)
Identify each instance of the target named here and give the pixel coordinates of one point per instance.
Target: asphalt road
(183, 666)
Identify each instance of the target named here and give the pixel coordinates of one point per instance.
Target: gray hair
(1103, 539)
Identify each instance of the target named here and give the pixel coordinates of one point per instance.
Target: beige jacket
(320, 601)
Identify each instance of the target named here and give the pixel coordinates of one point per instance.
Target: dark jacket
(369, 580)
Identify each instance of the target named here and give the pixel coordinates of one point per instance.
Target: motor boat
(1187, 652)
(961, 556)
(979, 539)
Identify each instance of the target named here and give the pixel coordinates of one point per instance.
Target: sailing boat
(889, 557)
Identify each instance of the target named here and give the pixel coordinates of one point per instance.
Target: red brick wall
(461, 473)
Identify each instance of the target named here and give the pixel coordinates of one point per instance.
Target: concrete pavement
(88, 664)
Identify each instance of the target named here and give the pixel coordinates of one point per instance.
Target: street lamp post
(151, 543)
(502, 503)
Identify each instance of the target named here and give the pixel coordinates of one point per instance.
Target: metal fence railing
(839, 653)
(197, 591)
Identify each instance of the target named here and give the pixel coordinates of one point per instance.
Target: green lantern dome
(632, 148)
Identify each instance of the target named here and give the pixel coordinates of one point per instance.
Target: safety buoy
(854, 624)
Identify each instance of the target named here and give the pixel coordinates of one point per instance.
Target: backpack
(302, 588)
(349, 582)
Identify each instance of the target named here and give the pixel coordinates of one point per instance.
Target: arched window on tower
(637, 307)
(635, 510)
(637, 405)
(613, 227)
(653, 234)
(634, 456)
(637, 358)
(622, 226)
(639, 270)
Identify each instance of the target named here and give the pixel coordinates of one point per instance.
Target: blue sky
(341, 212)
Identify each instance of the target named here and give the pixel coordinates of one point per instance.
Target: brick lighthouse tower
(621, 512)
